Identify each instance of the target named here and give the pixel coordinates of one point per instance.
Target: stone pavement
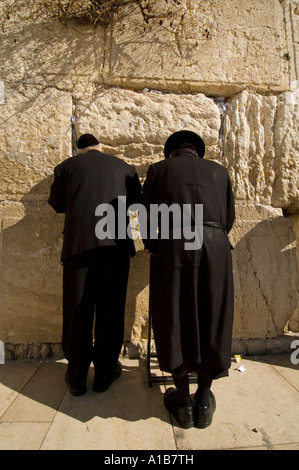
(256, 409)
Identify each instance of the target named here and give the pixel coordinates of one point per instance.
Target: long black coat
(80, 184)
(191, 291)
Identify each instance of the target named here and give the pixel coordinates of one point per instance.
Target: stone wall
(227, 69)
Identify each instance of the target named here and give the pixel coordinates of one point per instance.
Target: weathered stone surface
(135, 125)
(265, 276)
(294, 320)
(291, 19)
(34, 351)
(31, 275)
(286, 143)
(217, 47)
(35, 135)
(38, 50)
(248, 146)
(261, 146)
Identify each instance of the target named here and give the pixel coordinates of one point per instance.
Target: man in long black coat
(191, 290)
(95, 263)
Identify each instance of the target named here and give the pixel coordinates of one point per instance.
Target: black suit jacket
(80, 184)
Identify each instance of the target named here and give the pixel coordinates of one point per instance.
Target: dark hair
(87, 140)
(187, 145)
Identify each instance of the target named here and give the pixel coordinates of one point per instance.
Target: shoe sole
(203, 425)
(183, 425)
(206, 423)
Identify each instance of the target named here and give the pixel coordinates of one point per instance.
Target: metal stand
(153, 378)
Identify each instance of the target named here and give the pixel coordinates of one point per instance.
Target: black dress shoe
(103, 385)
(182, 414)
(203, 415)
(76, 392)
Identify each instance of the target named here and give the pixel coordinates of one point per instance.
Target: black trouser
(181, 381)
(94, 288)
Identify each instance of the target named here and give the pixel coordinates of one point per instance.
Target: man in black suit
(191, 288)
(95, 265)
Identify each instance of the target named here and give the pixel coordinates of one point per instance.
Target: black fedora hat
(87, 140)
(184, 137)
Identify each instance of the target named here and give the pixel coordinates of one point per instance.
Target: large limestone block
(31, 274)
(265, 274)
(37, 49)
(261, 147)
(291, 14)
(218, 47)
(136, 125)
(286, 165)
(35, 135)
(248, 146)
(212, 46)
(294, 321)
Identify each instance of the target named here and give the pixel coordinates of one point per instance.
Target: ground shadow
(129, 397)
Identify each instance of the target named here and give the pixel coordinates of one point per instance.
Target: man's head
(190, 139)
(88, 142)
